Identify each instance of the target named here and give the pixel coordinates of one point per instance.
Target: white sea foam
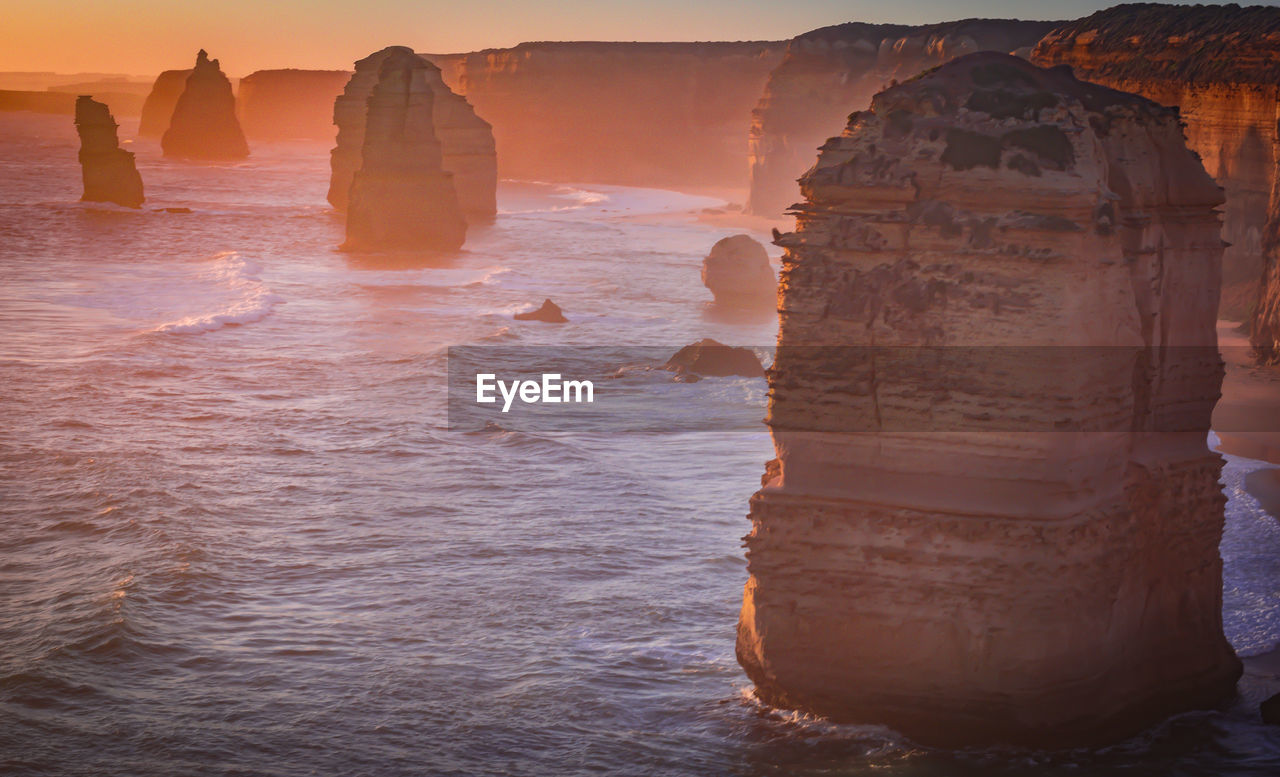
(251, 299)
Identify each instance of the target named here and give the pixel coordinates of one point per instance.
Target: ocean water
(237, 536)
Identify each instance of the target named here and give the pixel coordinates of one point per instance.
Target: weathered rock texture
(563, 111)
(402, 197)
(830, 72)
(738, 273)
(157, 110)
(995, 538)
(1221, 66)
(466, 140)
(204, 124)
(108, 171)
(550, 312)
(1265, 324)
(289, 104)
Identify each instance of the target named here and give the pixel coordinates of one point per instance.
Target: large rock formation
(204, 124)
(563, 111)
(830, 72)
(108, 171)
(1265, 323)
(290, 104)
(1221, 66)
(157, 110)
(466, 140)
(993, 515)
(738, 274)
(402, 197)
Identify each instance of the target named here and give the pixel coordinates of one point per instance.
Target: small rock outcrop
(289, 104)
(466, 140)
(109, 172)
(1270, 710)
(549, 312)
(402, 197)
(738, 274)
(713, 358)
(157, 109)
(204, 124)
(993, 515)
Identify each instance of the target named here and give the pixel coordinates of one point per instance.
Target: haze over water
(237, 538)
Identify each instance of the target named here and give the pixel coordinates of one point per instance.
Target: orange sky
(145, 36)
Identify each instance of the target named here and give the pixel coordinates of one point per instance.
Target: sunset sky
(145, 36)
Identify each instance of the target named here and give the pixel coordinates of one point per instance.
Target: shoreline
(1250, 408)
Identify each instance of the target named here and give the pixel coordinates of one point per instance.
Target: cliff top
(988, 33)
(1196, 43)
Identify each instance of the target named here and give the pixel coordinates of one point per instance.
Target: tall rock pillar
(993, 515)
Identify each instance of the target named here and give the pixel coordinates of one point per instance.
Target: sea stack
(466, 140)
(402, 197)
(993, 516)
(109, 172)
(738, 274)
(204, 124)
(157, 110)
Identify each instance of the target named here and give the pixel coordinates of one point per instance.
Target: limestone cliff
(108, 171)
(157, 110)
(993, 515)
(466, 140)
(562, 111)
(830, 72)
(402, 197)
(204, 124)
(1265, 324)
(289, 104)
(1220, 66)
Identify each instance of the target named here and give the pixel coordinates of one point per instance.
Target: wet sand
(1247, 418)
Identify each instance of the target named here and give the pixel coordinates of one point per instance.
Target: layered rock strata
(1264, 327)
(466, 140)
(738, 274)
(108, 171)
(1220, 66)
(402, 197)
(993, 516)
(204, 124)
(830, 72)
(562, 111)
(157, 109)
(289, 104)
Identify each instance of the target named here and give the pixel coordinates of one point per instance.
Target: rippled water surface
(237, 537)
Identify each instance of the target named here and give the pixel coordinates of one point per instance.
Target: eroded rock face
(157, 110)
(830, 72)
(1219, 65)
(402, 197)
(289, 104)
(109, 172)
(466, 140)
(562, 110)
(204, 124)
(993, 515)
(1264, 329)
(738, 274)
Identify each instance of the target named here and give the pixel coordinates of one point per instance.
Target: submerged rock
(402, 197)
(204, 124)
(715, 359)
(466, 140)
(109, 172)
(993, 511)
(549, 312)
(738, 274)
